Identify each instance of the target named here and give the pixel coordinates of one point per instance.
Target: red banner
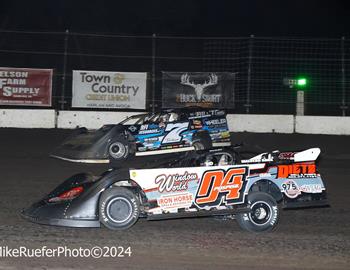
(25, 86)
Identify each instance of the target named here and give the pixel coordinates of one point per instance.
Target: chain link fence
(260, 64)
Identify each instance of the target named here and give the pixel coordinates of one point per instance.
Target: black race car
(169, 131)
(188, 184)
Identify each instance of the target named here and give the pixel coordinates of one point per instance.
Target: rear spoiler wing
(306, 155)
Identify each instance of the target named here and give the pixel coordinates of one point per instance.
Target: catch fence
(261, 65)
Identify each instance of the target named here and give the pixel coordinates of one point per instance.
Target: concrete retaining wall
(89, 119)
(237, 122)
(322, 125)
(10, 118)
(14, 118)
(261, 123)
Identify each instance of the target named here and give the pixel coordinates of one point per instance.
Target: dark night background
(310, 18)
(290, 38)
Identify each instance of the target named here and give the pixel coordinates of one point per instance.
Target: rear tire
(119, 208)
(198, 145)
(202, 142)
(264, 214)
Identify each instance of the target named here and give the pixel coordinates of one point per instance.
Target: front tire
(119, 208)
(118, 149)
(264, 214)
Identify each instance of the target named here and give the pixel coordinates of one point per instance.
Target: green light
(301, 82)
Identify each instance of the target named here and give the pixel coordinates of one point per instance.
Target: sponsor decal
(182, 200)
(132, 128)
(150, 131)
(297, 170)
(104, 89)
(312, 188)
(175, 182)
(148, 126)
(286, 155)
(197, 124)
(151, 140)
(291, 189)
(218, 186)
(216, 122)
(25, 86)
(265, 175)
(225, 134)
(207, 113)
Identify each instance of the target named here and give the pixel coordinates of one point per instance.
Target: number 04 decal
(218, 186)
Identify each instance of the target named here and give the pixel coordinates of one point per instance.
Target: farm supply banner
(203, 89)
(25, 86)
(102, 89)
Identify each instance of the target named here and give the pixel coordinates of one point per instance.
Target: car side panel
(220, 187)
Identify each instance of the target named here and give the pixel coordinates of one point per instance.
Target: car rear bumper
(307, 200)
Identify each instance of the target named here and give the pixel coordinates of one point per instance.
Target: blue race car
(162, 132)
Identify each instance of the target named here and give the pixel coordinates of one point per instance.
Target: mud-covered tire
(118, 149)
(264, 214)
(119, 208)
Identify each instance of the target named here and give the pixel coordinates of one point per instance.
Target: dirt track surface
(305, 239)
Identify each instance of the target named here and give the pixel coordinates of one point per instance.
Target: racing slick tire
(264, 214)
(202, 142)
(118, 149)
(119, 208)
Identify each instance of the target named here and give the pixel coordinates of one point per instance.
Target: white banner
(104, 89)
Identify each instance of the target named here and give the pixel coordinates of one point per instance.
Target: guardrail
(258, 123)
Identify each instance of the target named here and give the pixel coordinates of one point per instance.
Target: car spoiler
(306, 155)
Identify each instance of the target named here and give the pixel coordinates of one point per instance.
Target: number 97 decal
(218, 186)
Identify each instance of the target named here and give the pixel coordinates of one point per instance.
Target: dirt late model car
(197, 183)
(164, 132)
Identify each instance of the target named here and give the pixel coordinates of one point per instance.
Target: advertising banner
(104, 89)
(25, 86)
(203, 89)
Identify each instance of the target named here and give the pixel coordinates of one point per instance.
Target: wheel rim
(260, 213)
(119, 210)
(225, 159)
(117, 150)
(198, 146)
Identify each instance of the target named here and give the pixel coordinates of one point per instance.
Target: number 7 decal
(218, 186)
(175, 131)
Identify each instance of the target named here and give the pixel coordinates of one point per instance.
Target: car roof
(188, 110)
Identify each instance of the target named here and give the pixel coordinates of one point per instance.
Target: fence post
(250, 57)
(64, 70)
(343, 106)
(153, 71)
